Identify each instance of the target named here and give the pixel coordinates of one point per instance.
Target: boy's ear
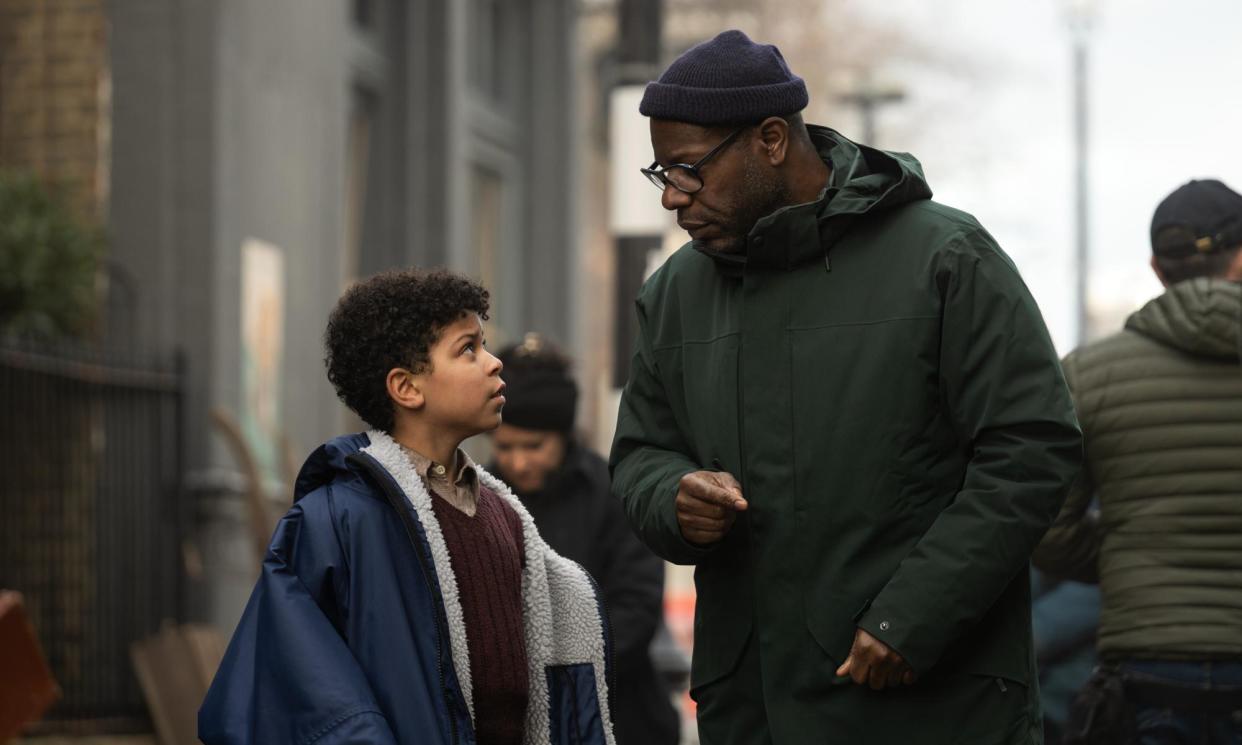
(404, 389)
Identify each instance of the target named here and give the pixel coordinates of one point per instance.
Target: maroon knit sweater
(487, 553)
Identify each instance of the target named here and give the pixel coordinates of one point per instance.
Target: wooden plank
(207, 647)
(175, 668)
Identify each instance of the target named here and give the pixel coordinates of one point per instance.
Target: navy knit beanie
(728, 80)
(540, 392)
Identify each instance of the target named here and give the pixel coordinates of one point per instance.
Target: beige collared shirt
(462, 491)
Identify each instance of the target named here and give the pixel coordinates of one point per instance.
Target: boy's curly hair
(392, 320)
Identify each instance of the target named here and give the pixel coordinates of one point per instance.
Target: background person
(1161, 409)
(565, 487)
(1064, 618)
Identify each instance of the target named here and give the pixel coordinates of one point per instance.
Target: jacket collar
(862, 181)
(788, 237)
(562, 615)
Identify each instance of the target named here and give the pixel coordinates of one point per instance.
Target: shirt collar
(466, 475)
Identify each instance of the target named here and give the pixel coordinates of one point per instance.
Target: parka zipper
(609, 672)
(741, 420)
(399, 503)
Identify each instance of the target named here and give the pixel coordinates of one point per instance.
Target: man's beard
(764, 193)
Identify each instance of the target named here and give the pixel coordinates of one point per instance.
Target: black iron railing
(92, 516)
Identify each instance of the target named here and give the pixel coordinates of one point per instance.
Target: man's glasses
(681, 176)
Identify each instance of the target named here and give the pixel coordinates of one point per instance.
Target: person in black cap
(844, 408)
(1161, 409)
(565, 487)
(1197, 232)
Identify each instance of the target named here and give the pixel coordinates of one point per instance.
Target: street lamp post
(1080, 14)
(868, 97)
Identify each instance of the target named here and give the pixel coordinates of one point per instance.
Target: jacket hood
(328, 462)
(864, 182)
(1199, 316)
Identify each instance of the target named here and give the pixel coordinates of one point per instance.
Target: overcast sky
(992, 126)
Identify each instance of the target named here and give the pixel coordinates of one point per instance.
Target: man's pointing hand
(707, 504)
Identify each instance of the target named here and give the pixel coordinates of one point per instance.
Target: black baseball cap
(1199, 217)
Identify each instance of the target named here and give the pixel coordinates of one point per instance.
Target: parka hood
(864, 182)
(1199, 316)
(327, 462)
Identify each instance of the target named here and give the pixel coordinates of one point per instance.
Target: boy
(407, 597)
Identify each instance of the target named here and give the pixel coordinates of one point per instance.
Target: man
(565, 488)
(844, 408)
(1161, 410)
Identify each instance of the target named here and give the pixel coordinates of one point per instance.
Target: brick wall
(54, 96)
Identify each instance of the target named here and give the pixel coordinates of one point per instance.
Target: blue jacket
(354, 631)
(1064, 618)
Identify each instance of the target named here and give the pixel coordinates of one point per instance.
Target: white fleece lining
(562, 618)
(560, 613)
(393, 458)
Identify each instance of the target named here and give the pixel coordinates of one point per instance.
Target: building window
(487, 226)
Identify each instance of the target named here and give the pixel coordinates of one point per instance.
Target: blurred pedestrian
(406, 597)
(564, 485)
(1161, 409)
(845, 409)
(1064, 618)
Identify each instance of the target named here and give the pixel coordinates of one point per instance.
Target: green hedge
(48, 263)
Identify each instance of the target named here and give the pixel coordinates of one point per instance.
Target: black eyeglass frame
(659, 178)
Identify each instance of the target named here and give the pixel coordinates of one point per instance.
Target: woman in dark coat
(565, 487)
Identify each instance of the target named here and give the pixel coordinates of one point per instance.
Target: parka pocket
(830, 619)
(574, 716)
(722, 622)
(999, 646)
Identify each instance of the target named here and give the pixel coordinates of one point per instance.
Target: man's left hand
(874, 663)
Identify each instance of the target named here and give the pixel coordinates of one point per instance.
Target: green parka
(875, 373)
(1161, 408)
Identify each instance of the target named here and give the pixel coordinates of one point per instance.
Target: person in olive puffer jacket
(1160, 405)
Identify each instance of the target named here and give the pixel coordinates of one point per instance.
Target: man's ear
(1159, 274)
(404, 389)
(774, 134)
(1235, 269)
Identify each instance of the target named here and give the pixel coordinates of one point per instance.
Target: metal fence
(92, 516)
